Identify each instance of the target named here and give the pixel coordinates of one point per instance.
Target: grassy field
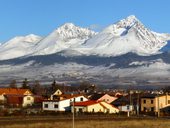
(53, 122)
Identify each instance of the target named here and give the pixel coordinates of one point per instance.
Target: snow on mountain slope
(66, 36)
(18, 46)
(73, 72)
(128, 35)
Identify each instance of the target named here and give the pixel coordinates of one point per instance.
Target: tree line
(36, 88)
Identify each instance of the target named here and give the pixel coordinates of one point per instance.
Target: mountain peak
(132, 17)
(127, 35)
(70, 31)
(128, 22)
(32, 38)
(31, 35)
(68, 25)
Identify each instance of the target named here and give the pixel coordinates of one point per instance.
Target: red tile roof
(10, 91)
(38, 99)
(14, 99)
(85, 103)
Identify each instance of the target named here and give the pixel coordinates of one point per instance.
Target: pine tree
(53, 86)
(25, 84)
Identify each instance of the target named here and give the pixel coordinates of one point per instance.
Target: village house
(56, 94)
(123, 103)
(16, 97)
(94, 107)
(154, 102)
(102, 97)
(62, 103)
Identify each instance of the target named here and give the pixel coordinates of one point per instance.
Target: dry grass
(97, 124)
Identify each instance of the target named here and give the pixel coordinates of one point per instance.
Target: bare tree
(13, 84)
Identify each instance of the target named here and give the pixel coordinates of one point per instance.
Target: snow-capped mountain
(127, 35)
(123, 53)
(18, 46)
(65, 37)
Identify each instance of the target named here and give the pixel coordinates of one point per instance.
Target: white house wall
(28, 101)
(2, 98)
(63, 105)
(95, 108)
(110, 108)
(126, 108)
(50, 106)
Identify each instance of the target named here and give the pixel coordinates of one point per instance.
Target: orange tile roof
(10, 91)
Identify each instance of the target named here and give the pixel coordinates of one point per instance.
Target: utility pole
(73, 112)
(158, 106)
(138, 105)
(129, 107)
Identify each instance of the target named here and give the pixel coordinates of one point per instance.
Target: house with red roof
(16, 97)
(94, 107)
(62, 102)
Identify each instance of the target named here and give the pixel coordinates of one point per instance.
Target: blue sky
(22, 17)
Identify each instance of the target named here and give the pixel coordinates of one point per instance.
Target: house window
(168, 101)
(144, 101)
(151, 101)
(28, 98)
(55, 105)
(45, 105)
(81, 99)
(152, 109)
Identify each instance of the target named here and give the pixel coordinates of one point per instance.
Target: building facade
(62, 105)
(94, 107)
(11, 97)
(153, 103)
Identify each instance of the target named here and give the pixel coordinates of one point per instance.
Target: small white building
(62, 105)
(126, 108)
